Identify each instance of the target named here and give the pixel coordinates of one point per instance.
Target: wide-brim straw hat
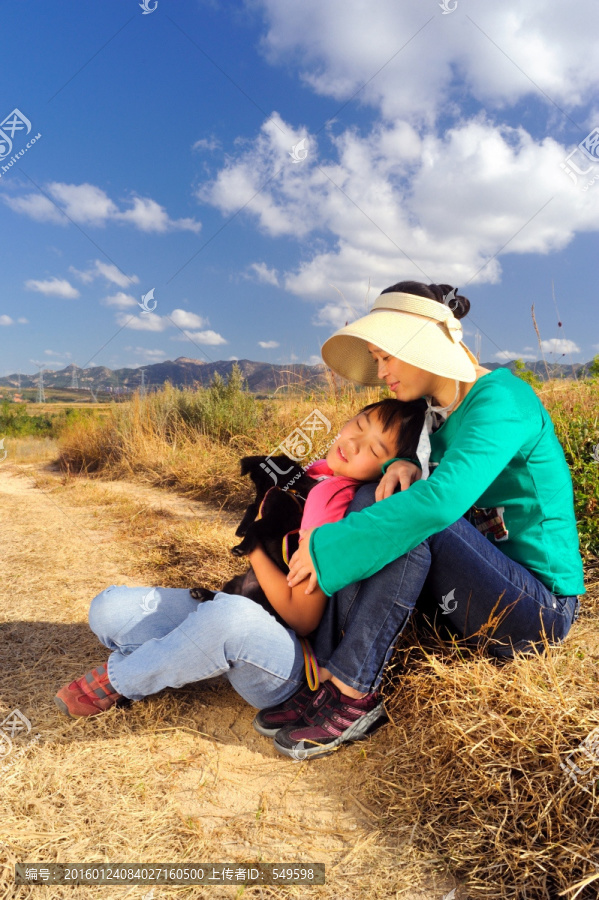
(416, 330)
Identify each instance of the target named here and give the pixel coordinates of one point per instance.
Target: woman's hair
(405, 418)
(459, 305)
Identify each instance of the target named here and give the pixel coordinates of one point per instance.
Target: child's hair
(405, 418)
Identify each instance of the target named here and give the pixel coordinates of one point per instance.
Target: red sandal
(88, 696)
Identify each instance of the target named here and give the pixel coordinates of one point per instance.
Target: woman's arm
(497, 422)
(301, 611)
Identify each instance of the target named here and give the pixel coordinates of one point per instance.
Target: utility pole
(41, 394)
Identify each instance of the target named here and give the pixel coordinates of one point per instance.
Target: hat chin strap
(423, 450)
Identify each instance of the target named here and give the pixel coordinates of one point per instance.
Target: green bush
(14, 420)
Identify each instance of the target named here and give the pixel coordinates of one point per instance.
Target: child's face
(362, 447)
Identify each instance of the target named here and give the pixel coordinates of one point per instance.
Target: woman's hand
(401, 472)
(301, 565)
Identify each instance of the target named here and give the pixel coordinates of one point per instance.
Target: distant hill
(261, 377)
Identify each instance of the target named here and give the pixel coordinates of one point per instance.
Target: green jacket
(498, 449)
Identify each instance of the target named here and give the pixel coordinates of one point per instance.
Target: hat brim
(414, 339)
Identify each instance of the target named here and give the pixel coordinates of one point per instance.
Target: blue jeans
(172, 640)
(480, 593)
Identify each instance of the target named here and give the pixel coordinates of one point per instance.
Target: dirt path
(180, 776)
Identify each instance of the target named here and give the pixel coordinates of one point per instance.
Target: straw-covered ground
(463, 788)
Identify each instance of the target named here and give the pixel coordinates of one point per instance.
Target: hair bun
(458, 304)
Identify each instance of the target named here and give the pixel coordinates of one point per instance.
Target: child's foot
(269, 721)
(88, 696)
(331, 719)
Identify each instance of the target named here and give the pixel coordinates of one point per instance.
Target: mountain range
(261, 377)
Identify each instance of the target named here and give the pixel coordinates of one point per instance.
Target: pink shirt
(329, 499)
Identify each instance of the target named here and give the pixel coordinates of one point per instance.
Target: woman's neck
(443, 390)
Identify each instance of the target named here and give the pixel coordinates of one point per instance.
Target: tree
(526, 375)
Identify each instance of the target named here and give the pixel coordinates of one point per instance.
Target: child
(379, 433)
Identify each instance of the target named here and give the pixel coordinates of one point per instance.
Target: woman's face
(406, 381)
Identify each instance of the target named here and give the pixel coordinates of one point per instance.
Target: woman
(490, 536)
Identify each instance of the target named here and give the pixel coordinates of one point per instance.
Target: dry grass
(181, 777)
(471, 770)
(146, 441)
(465, 780)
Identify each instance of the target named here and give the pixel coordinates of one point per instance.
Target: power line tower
(94, 398)
(74, 378)
(19, 380)
(41, 394)
(142, 388)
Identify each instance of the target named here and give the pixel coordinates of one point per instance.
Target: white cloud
(559, 345)
(86, 204)
(6, 320)
(53, 287)
(210, 143)
(314, 360)
(57, 354)
(409, 67)
(210, 338)
(37, 207)
(507, 355)
(149, 216)
(120, 300)
(395, 205)
(414, 195)
(180, 317)
(143, 322)
(23, 321)
(105, 270)
(268, 345)
(261, 273)
(149, 355)
(185, 319)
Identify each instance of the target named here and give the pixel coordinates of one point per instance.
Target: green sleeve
(492, 430)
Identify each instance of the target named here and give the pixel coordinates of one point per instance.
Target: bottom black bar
(169, 873)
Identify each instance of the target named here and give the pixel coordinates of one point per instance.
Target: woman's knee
(363, 497)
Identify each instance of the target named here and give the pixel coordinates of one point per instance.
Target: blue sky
(432, 143)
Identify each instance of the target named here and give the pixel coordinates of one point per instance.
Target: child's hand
(301, 565)
(401, 472)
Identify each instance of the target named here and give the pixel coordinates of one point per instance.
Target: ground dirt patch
(182, 776)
